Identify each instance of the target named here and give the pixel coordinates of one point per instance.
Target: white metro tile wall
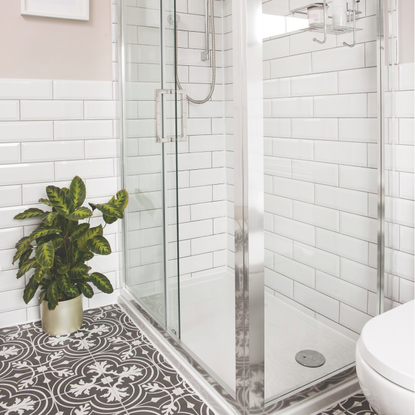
(320, 132)
(46, 138)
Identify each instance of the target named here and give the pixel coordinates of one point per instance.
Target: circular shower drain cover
(310, 358)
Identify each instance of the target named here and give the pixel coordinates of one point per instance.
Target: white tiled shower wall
(321, 173)
(50, 131)
(201, 160)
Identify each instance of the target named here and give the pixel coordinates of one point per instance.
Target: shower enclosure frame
(249, 244)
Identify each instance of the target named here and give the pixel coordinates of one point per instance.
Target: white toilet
(385, 361)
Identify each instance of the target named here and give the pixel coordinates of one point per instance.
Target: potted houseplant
(58, 250)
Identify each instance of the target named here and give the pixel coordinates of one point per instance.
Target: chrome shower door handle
(160, 137)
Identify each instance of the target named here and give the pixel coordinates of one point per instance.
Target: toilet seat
(387, 345)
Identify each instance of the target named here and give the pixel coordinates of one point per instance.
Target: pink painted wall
(34, 47)
(406, 31)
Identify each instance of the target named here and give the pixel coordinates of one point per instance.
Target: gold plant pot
(64, 319)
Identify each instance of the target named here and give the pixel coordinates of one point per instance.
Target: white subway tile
(359, 227)
(25, 89)
(87, 169)
(342, 290)
(352, 154)
(277, 166)
(358, 178)
(294, 270)
(10, 282)
(208, 244)
(315, 172)
(26, 131)
(370, 54)
(406, 76)
(400, 211)
(279, 283)
(339, 59)
(276, 48)
(82, 90)
(51, 110)
(316, 301)
(406, 291)
(359, 274)
(26, 173)
(100, 109)
(10, 318)
(303, 42)
(317, 258)
(292, 107)
(372, 105)
(196, 263)
(294, 189)
(400, 263)
(316, 215)
(352, 318)
(278, 205)
(278, 244)
(291, 66)
(342, 245)
(52, 151)
(358, 80)
(65, 130)
(406, 131)
(294, 230)
(9, 153)
(325, 129)
(407, 238)
(10, 196)
(342, 199)
(358, 129)
(195, 195)
(9, 110)
(277, 88)
(318, 84)
(352, 105)
(9, 237)
(206, 177)
(202, 143)
(277, 127)
(101, 148)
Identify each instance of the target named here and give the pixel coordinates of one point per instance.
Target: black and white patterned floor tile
(108, 367)
(355, 405)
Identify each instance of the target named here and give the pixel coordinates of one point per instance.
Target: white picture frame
(61, 9)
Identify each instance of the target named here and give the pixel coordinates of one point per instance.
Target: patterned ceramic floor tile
(355, 405)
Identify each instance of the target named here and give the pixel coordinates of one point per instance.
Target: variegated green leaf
(87, 256)
(65, 285)
(101, 282)
(59, 200)
(43, 231)
(45, 202)
(86, 289)
(30, 290)
(77, 192)
(20, 253)
(122, 199)
(30, 213)
(42, 296)
(110, 209)
(99, 245)
(79, 231)
(25, 256)
(23, 243)
(92, 232)
(79, 214)
(56, 240)
(79, 270)
(39, 274)
(49, 217)
(45, 254)
(26, 266)
(53, 295)
(109, 219)
(63, 269)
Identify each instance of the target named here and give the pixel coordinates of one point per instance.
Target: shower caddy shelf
(324, 27)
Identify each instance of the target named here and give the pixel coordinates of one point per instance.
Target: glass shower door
(152, 124)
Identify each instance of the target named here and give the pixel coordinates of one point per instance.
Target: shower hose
(213, 83)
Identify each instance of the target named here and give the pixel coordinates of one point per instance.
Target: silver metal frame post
(205, 53)
(249, 202)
